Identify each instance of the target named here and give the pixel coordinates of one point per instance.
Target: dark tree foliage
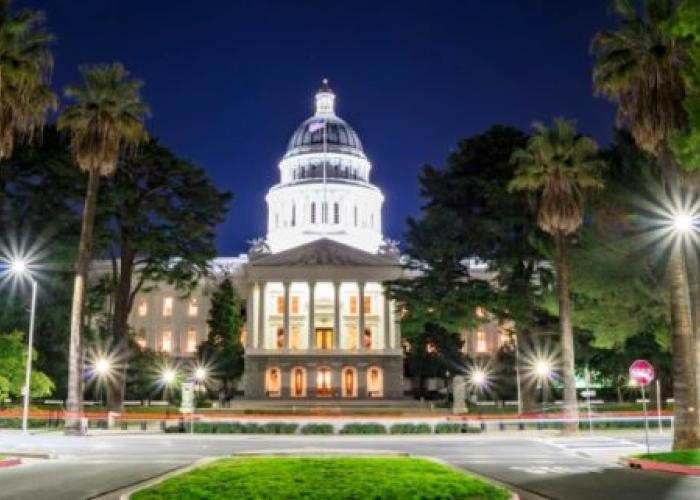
(469, 213)
(157, 225)
(223, 349)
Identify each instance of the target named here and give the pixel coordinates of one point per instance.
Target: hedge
(363, 429)
(410, 429)
(244, 428)
(453, 428)
(317, 429)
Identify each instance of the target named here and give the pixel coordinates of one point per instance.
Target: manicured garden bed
(323, 478)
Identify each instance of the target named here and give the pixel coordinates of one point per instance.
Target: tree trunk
(686, 429)
(694, 293)
(74, 405)
(120, 329)
(567, 336)
(528, 395)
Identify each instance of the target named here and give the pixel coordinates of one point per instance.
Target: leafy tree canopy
(13, 357)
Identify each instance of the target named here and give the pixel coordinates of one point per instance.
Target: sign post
(187, 402)
(642, 372)
(587, 378)
(658, 404)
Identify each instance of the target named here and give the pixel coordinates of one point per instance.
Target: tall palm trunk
(686, 429)
(567, 335)
(74, 403)
(694, 293)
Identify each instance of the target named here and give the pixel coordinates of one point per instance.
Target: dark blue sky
(228, 81)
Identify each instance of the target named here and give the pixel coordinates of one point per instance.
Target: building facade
(319, 325)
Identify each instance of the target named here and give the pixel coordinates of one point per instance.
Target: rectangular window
(167, 307)
(141, 338)
(295, 304)
(313, 213)
(166, 344)
(280, 304)
(191, 340)
(336, 213)
(353, 304)
(481, 341)
(324, 213)
(143, 308)
(193, 309)
(368, 305)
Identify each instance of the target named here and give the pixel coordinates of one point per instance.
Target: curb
(10, 462)
(637, 463)
(28, 454)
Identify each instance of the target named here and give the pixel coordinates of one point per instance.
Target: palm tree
(557, 167)
(105, 121)
(639, 66)
(25, 65)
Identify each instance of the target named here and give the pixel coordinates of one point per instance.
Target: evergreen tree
(223, 349)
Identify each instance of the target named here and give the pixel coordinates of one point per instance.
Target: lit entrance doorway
(324, 338)
(323, 382)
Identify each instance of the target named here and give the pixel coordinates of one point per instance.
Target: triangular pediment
(324, 252)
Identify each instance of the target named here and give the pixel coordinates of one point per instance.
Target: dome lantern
(325, 100)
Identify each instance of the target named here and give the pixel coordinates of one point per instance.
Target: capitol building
(318, 322)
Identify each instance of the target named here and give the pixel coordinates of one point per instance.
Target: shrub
(410, 429)
(453, 428)
(277, 428)
(363, 429)
(317, 429)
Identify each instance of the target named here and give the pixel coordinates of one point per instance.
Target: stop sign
(642, 372)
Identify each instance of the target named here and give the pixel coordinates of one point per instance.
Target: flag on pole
(317, 125)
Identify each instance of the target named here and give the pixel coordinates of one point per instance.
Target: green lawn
(323, 478)
(686, 457)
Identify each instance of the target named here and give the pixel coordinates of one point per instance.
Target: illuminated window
(295, 304)
(191, 340)
(323, 382)
(244, 335)
(349, 381)
(280, 338)
(273, 382)
(480, 341)
(141, 338)
(504, 338)
(298, 382)
(167, 307)
(375, 384)
(280, 304)
(193, 308)
(367, 338)
(336, 213)
(143, 307)
(368, 305)
(294, 337)
(352, 337)
(353, 304)
(166, 344)
(480, 312)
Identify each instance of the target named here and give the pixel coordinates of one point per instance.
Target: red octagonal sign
(642, 372)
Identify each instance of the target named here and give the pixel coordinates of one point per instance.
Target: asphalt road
(536, 466)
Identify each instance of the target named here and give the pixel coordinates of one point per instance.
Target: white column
(287, 332)
(336, 315)
(361, 315)
(312, 289)
(387, 321)
(261, 311)
(250, 319)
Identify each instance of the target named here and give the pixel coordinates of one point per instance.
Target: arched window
(354, 215)
(273, 382)
(349, 382)
(375, 382)
(336, 213)
(313, 213)
(294, 215)
(298, 381)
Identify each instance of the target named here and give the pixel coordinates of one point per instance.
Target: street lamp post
(20, 268)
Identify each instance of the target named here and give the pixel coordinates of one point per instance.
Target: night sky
(228, 81)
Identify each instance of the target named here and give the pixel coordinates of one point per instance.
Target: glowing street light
(543, 369)
(168, 376)
(200, 374)
(682, 222)
(103, 367)
(478, 377)
(19, 267)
